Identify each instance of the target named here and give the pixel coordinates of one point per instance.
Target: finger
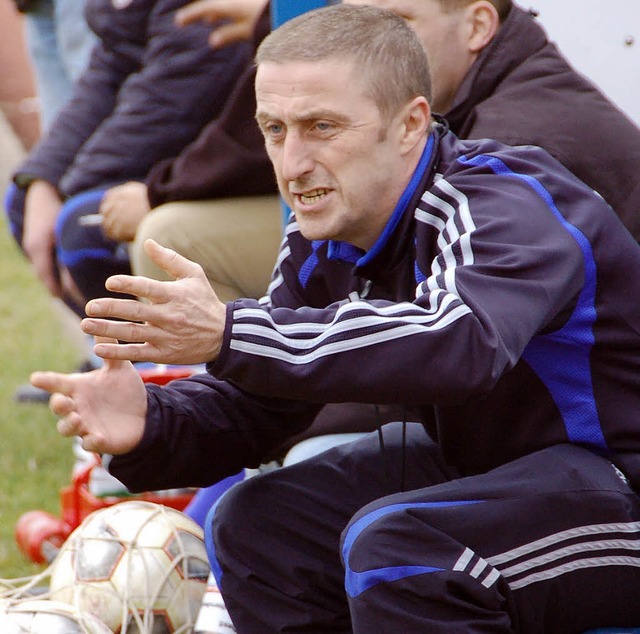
(92, 443)
(115, 233)
(173, 263)
(133, 352)
(43, 266)
(230, 33)
(145, 287)
(112, 308)
(61, 405)
(105, 340)
(105, 204)
(70, 425)
(201, 10)
(121, 330)
(108, 341)
(53, 381)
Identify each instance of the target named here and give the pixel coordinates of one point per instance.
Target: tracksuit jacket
(149, 89)
(499, 306)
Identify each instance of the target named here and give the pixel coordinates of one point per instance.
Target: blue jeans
(59, 43)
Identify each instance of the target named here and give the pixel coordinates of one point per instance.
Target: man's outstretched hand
(180, 321)
(106, 407)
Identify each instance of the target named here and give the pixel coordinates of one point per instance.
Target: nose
(296, 156)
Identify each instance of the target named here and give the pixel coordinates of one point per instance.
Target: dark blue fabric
(565, 354)
(358, 582)
(204, 498)
(84, 250)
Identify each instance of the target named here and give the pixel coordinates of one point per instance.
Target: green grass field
(34, 460)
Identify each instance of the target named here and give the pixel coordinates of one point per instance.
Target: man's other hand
(105, 407)
(180, 321)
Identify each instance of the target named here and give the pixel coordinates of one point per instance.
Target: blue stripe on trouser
(209, 545)
(200, 504)
(71, 257)
(208, 531)
(357, 582)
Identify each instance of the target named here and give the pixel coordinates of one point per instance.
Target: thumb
(229, 33)
(109, 363)
(199, 10)
(172, 262)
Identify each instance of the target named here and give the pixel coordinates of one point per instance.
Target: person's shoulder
(464, 161)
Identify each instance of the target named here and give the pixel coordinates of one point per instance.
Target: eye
(323, 128)
(272, 130)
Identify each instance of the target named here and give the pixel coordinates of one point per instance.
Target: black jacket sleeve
(135, 106)
(200, 430)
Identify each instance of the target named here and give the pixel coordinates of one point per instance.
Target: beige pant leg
(235, 240)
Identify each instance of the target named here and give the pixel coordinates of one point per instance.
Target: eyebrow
(311, 115)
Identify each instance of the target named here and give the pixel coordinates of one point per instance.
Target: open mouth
(313, 196)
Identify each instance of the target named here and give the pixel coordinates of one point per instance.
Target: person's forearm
(200, 430)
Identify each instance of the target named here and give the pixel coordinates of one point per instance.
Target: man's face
(338, 166)
(443, 38)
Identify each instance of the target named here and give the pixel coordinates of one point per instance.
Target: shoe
(27, 393)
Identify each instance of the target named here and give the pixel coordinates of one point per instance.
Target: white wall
(601, 38)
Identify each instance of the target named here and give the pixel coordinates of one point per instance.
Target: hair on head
(385, 52)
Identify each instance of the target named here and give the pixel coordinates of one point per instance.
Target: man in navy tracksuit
(483, 288)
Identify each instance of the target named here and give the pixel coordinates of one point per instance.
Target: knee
(379, 546)
(240, 516)
(362, 548)
(72, 230)
(161, 224)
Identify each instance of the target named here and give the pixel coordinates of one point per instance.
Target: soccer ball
(37, 616)
(139, 567)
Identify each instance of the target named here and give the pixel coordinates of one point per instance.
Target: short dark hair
(384, 49)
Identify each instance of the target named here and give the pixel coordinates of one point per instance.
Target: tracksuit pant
(373, 542)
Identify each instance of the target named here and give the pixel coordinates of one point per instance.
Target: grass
(35, 461)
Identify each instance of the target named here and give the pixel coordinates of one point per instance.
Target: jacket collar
(519, 37)
(393, 249)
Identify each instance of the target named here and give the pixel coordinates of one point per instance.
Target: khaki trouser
(235, 240)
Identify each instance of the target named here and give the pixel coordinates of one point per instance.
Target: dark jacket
(149, 89)
(522, 91)
(228, 158)
(505, 328)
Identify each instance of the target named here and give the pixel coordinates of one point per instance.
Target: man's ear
(416, 120)
(483, 23)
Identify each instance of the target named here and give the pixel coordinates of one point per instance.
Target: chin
(313, 235)
(312, 230)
